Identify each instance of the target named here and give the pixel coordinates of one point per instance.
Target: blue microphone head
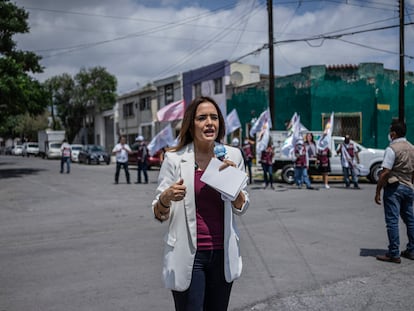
(220, 151)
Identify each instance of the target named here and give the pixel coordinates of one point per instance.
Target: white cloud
(138, 43)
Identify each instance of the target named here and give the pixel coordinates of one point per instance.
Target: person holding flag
(324, 152)
(349, 159)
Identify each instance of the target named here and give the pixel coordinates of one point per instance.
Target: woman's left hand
(226, 163)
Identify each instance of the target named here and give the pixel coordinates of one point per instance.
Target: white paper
(228, 181)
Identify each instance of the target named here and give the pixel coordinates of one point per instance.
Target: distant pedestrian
(266, 159)
(397, 181)
(248, 157)
(122, 150)
(324, 163)
(301, 165)
(66, 152)
(349, 160)
(311, 149)
(236, 144)
(142, 159)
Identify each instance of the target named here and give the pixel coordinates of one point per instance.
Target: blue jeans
(267, 173)
(398, 201)
(64, 160)
(208, 290)
(301, 176)
(346, 171)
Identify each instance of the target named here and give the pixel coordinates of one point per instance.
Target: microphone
(220, 152)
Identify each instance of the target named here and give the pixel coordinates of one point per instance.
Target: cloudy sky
(140, 41)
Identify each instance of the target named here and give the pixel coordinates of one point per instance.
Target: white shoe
(327, 187)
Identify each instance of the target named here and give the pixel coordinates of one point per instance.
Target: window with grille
(128, 110)
(346, 124)
(218, 86)
(169, 93)
(145, 103)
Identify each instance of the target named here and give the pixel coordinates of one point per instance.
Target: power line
(321, 37)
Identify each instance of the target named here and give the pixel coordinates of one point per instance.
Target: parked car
(76, 148)
(153, 161)
(94, 154)
(17, 150)
(30, 149)
(53, 150)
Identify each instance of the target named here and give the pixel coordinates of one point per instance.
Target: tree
(78, 99)
(62, 92)
(96, 90)
(19, 92)
(27, 126)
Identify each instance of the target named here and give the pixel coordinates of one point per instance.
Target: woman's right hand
(176, 192)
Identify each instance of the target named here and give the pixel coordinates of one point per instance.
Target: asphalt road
(78, 242)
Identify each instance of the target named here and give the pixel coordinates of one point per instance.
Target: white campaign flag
(232, 122)
(258, 125)
(325, 140)
(288, 146)
(263, 139)
(163, 139)
(172, 111)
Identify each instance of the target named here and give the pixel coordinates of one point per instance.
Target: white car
(75, 152)
(53, 150)
(17, 150)
(30, 149)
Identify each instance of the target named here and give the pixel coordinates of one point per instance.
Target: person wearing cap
(236, 144)
(142, 159)
(122, 150)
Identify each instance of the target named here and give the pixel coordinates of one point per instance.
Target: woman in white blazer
(201, 255)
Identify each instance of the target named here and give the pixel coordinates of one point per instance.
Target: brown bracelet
(162, 204)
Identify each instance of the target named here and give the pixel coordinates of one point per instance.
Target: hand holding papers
(228, 181)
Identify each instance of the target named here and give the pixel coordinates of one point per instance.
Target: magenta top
(210, 215)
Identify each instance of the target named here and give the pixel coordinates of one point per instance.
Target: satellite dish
(236, 78)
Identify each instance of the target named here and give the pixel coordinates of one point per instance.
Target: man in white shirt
(66, 151)
(122, 150)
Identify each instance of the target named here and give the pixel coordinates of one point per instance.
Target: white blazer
(181, 238)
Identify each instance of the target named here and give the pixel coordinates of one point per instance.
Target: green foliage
(90, 91)
(96, 87)
(19, 92)
(28, 126)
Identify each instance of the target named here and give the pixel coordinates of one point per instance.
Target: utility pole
(401, 116)
(271, 63)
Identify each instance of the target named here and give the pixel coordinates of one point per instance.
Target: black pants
(142, 167)
(208, 290)
(118, 168)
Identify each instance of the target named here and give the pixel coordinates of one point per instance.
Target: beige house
(135, 114)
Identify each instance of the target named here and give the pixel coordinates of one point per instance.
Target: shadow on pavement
(371, 252)
(18, 172)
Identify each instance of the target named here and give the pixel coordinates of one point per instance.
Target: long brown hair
(186, 135)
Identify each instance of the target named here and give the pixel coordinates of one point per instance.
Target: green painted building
(364, 99)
